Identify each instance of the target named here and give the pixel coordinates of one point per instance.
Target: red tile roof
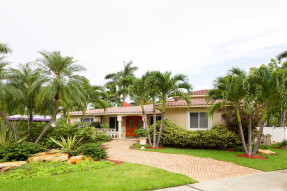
(195, 102)
(200, 92)
(117, 110)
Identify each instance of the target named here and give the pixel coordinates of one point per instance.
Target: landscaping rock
(76, 159)
(5, 166)
(49, 156)
(266, 152)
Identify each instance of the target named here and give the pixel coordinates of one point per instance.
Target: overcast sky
(202, 39)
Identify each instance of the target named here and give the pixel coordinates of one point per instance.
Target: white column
(120, 119)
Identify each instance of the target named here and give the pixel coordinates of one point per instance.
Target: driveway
(201, 169)
(267, 181)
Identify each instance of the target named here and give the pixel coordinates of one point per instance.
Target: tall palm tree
(230, 90)
(139, 92)
(23, 79)
(122, 80)
(171, 86)
(60, 81)
(282, 55)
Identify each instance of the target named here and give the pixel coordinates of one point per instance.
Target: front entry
(133, 123)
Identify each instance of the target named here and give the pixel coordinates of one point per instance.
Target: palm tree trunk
(241, 130)
(282, 120)
(3, 116)
(68, 117)
(249, 135)
(31, 116)
(52, 119)
(161, 127)
(146, 126)
(259, 135)
(84, 114)
(154, 123)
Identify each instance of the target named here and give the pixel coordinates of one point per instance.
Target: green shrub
(38, 169)
(94, 150)
(141, 132)
(18, 152)
(217, 137)
(100, 137)
(283, 143)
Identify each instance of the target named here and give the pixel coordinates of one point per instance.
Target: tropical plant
(122, 80)
(69, 144)
(94, 150)
(141, 132)
(60, 81)
(283, 143)
(5, 49)
(171, 86)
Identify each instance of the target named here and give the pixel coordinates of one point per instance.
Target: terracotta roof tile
(200, 92)
(195, 102)
(116, 110)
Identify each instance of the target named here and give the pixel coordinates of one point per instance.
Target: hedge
(219, 137)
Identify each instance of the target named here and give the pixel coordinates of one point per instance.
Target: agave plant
(68, 144)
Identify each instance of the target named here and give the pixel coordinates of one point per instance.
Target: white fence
(278, 134)
(110, 132)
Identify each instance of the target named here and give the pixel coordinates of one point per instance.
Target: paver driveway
(201, 169)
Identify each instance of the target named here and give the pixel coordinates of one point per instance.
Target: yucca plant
(68, 144)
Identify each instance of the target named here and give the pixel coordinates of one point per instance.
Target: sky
(201, 39)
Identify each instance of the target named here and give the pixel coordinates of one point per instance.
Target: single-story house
(124, 120)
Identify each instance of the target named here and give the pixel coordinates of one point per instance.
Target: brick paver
(201, 169)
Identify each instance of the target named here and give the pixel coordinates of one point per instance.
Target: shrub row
(18, 152)
(218, 137)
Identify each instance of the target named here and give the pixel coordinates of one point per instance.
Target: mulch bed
(155, 148)
(252, 156)
(116, 162)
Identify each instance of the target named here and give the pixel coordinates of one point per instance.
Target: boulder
(49, 156)
(266, 152)
(76, 159)
(5, 166)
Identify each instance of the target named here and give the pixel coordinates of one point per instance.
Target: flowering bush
(94, 150)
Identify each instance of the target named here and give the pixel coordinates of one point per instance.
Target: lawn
(274, 162)
(126, 176)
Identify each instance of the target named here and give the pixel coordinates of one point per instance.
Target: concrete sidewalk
(266, 181)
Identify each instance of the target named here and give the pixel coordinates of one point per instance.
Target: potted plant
(142, 134)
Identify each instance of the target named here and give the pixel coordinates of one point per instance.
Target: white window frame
(209, 121)
(91, 119)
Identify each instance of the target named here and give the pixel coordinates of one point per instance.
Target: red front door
(133, 123)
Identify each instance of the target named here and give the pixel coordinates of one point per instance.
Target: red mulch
(155, 148)
(230, 149)
(252, 156)
(114, 161)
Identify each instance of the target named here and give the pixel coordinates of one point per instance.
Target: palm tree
(60, 81)
(139, 93)
(122, 80)
(9, 97)
(23, 79)
(5, 49)
(230, 90)
(282, 55)
(171, 86)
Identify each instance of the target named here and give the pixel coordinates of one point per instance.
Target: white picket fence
(278, 134)
(110, 132)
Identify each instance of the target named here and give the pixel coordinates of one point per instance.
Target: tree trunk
(3, 116)
(249, 135)
(259, 135)
(68, 117)
(154, 124)
(161, 127)
(282, 120)
(52, 119)
(84, 114)
(146, 126)
(31, 116)
(241, 130)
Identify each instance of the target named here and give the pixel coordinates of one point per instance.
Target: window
(198, 120)
(158, 118)
(87, 120)
(113, 123)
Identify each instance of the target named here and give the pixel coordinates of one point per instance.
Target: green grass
(274, 162)
(125, 176)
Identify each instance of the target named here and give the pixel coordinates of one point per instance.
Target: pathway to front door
(201, 169)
